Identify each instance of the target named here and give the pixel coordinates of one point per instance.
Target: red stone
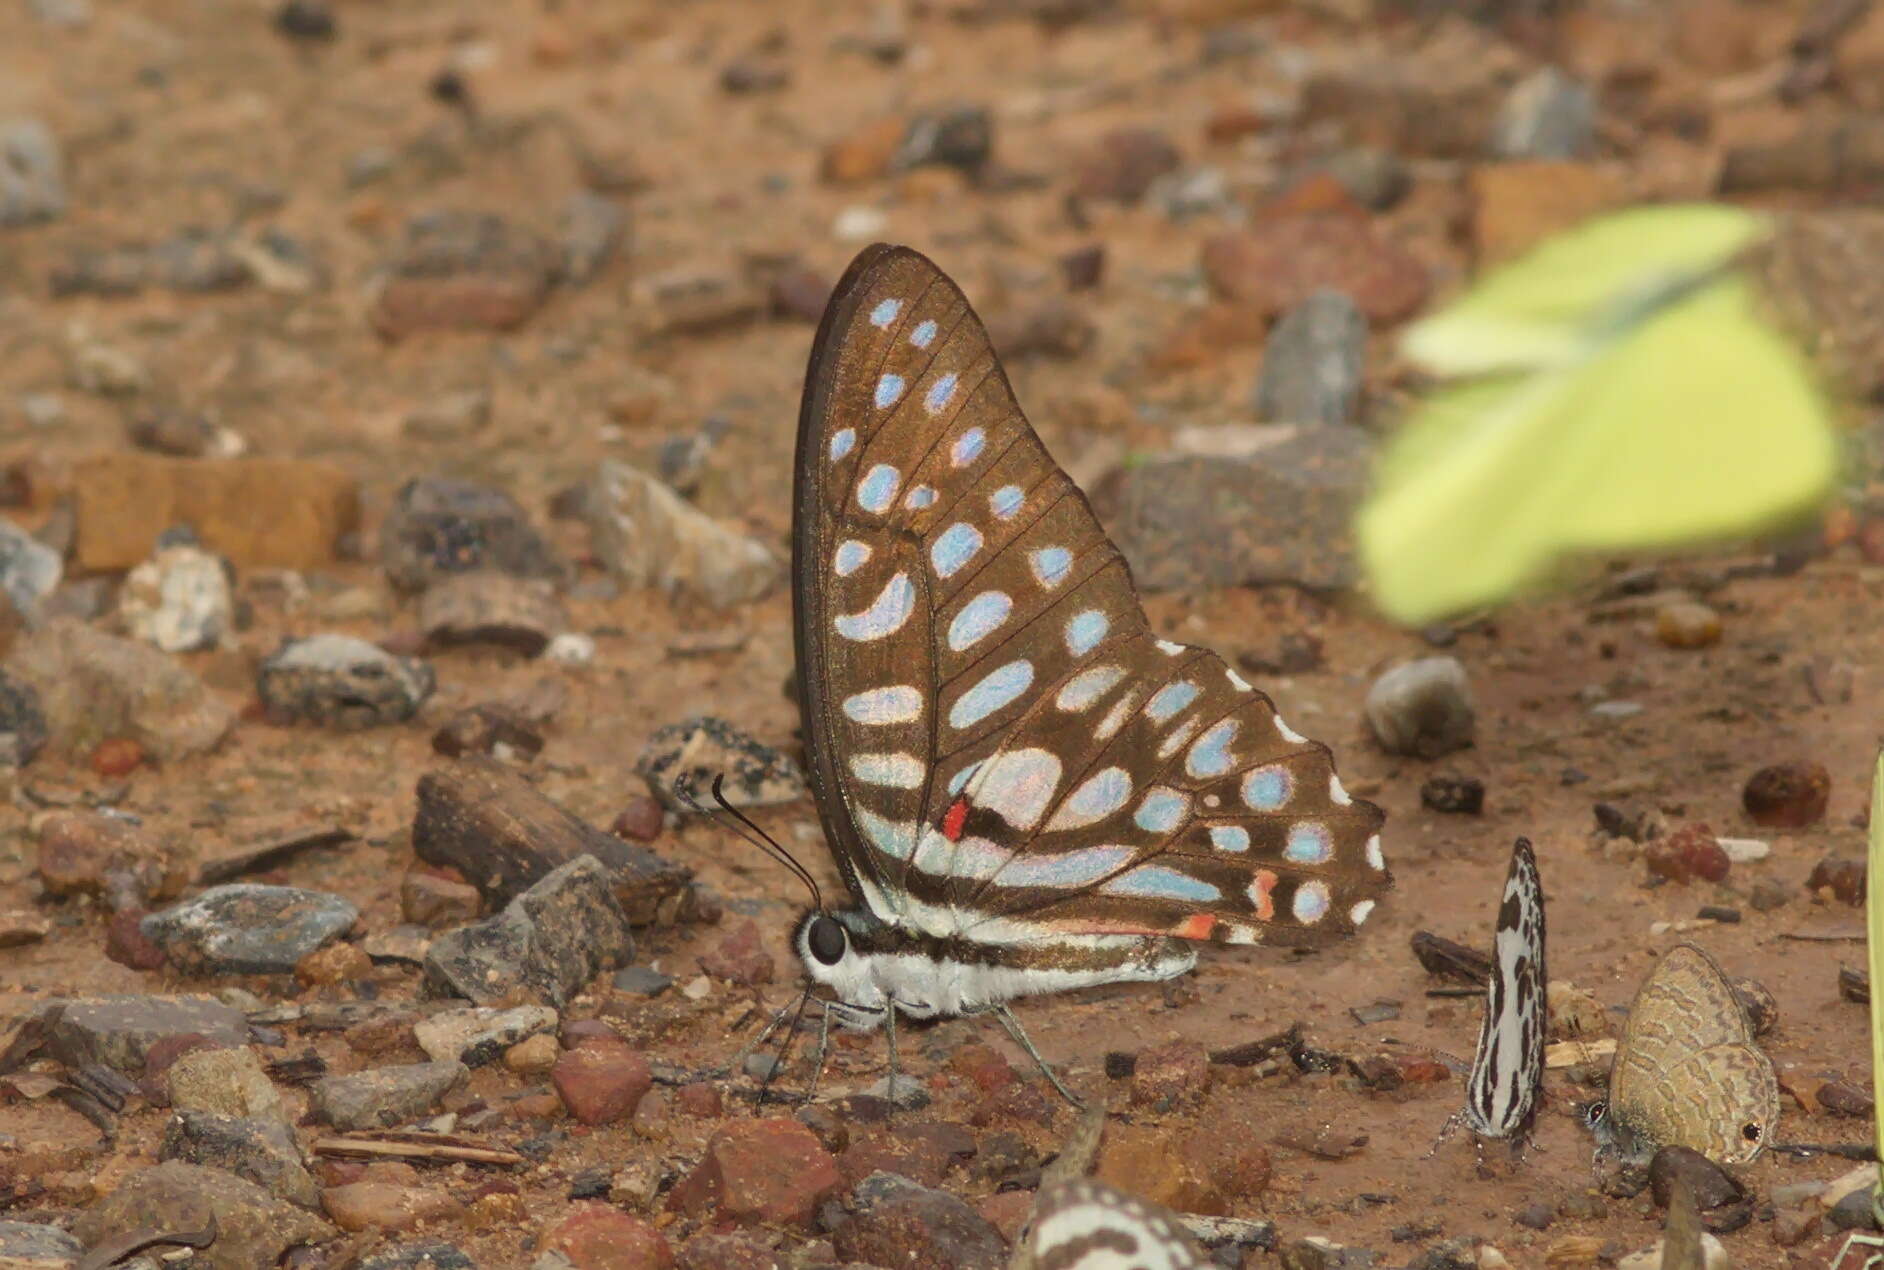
(598, 1237)
(1007, 1212)
(984, 1066)
(1844, 877)
(1124, 164)
(601, 1083)
(639, 820)
(117, 756)
(126, 943)
(700, 1099)
(740, 958)
(578, 1032)
(1689, 853)
(1423, 1071)
(1292, 256)
(735, 1250)
(1787, 795)
(771, 1171)
(889, 1151)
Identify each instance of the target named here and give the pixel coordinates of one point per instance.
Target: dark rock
(463, 271)
(1124, 163)
(770, 1171)
(1279, 512)
(892, 1221)
(1787, 795)
(546, 945)
(257, 1148)
(1711, 1185)
(1843, 877)
(1313, 363)
(1535, 1216)
(497, 830)
(32, 174)
(30, 1246)
(1292, 653)
(253, 1228)
(1842, 1098)
(642, 981)
(488, 729)
(486, 607)
(694, 751)
(306, 20)
(23, 731)
(438, 528)
(1454, 795)
(383, 1097)
(343, 682)
(120, 1032)
(959, 137)
(1083, 268)
(1422, 708)
(430, 1255)
(479, 1034)
(248, 929)
(755, 73)
(1854, 1211)
(1376, 179)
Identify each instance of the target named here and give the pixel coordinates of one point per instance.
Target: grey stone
(92, 686)
(66, 13)
(43, 410)
(254, 1228)
(480, 1034)
(955, 136)
(547, 944)
(438, 528)
(259, 1149)
(22, 724)
(1273, 505)
(594, 229)
(644, 534)
(694, 751)
(196, 260)
(1378, 179)
(119, 1031)
(893, 1221)
(224, 1082)
(642, 981)
(29, 1246)
(1312, 364)
(29, 569)
(32, 174)
(180, 600)
(245, 928)
(1422, 708)
(900, 1091)
(343, 682)
(431, 1255)
(488, 607)
(1547, 115)
(384, 1096)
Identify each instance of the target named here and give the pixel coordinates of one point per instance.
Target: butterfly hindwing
(1001, 747)
(1087, 1225)
(1508, 1067)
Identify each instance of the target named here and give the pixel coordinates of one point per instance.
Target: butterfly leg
(896, 1067)
(1860, 1239)
(738, 1060)
(817, 1066)
(1014, 1029)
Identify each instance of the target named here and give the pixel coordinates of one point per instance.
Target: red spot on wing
(1196, 926)
(954, 818)
(1259, 894)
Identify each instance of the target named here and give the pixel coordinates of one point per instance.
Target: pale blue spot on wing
(1088, 686)
(889, 390)
(1229, 838)
(1170, 699)
(1051, 565)
(898, 703)
(1311, 902)
(953, 548)
(885, 312)
(1005, 501)
(1210, 756)
(849, 557)
(1309, 843)
(979, 618)
(1097, 797)
(878, 488)
(1161, 811)
(886, 613)
(1065, 869)
(841, 442)
(895, 838)
(924, 332)
(920, 497)
(1084, 631)
(1155, 882)
(1267, 788)
(997, 689)
(968, 447)
(962, 777)
(939, 393)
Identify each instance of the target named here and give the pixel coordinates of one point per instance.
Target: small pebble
(1843, 877)
(639, 820)
(1454, 795)
(1422, 708)
(1787, 795)
(1687, 624)
(1686, 855)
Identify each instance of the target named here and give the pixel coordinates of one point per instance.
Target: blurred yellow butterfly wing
(1697, 424)
(1874, 956)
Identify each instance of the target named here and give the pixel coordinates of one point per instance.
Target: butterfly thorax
(868, 964)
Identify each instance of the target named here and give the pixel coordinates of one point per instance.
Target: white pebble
(571, 648)
(859, 223)
(1745, 850)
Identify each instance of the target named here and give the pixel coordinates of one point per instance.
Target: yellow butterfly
(1614, 390)
(1874, 948)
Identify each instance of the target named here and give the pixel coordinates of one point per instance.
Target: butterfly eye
(826, 940)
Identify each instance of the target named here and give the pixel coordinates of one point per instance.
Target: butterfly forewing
(1087, 1225)
(1001, 747)
(1508, 1068)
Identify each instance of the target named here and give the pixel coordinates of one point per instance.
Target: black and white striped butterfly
(1025, 789)
(1087, 1225)
(1501, 1095)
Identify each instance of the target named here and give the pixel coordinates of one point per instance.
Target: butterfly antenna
(737, 821)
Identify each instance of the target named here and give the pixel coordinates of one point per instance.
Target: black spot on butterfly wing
(1503, 1089)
